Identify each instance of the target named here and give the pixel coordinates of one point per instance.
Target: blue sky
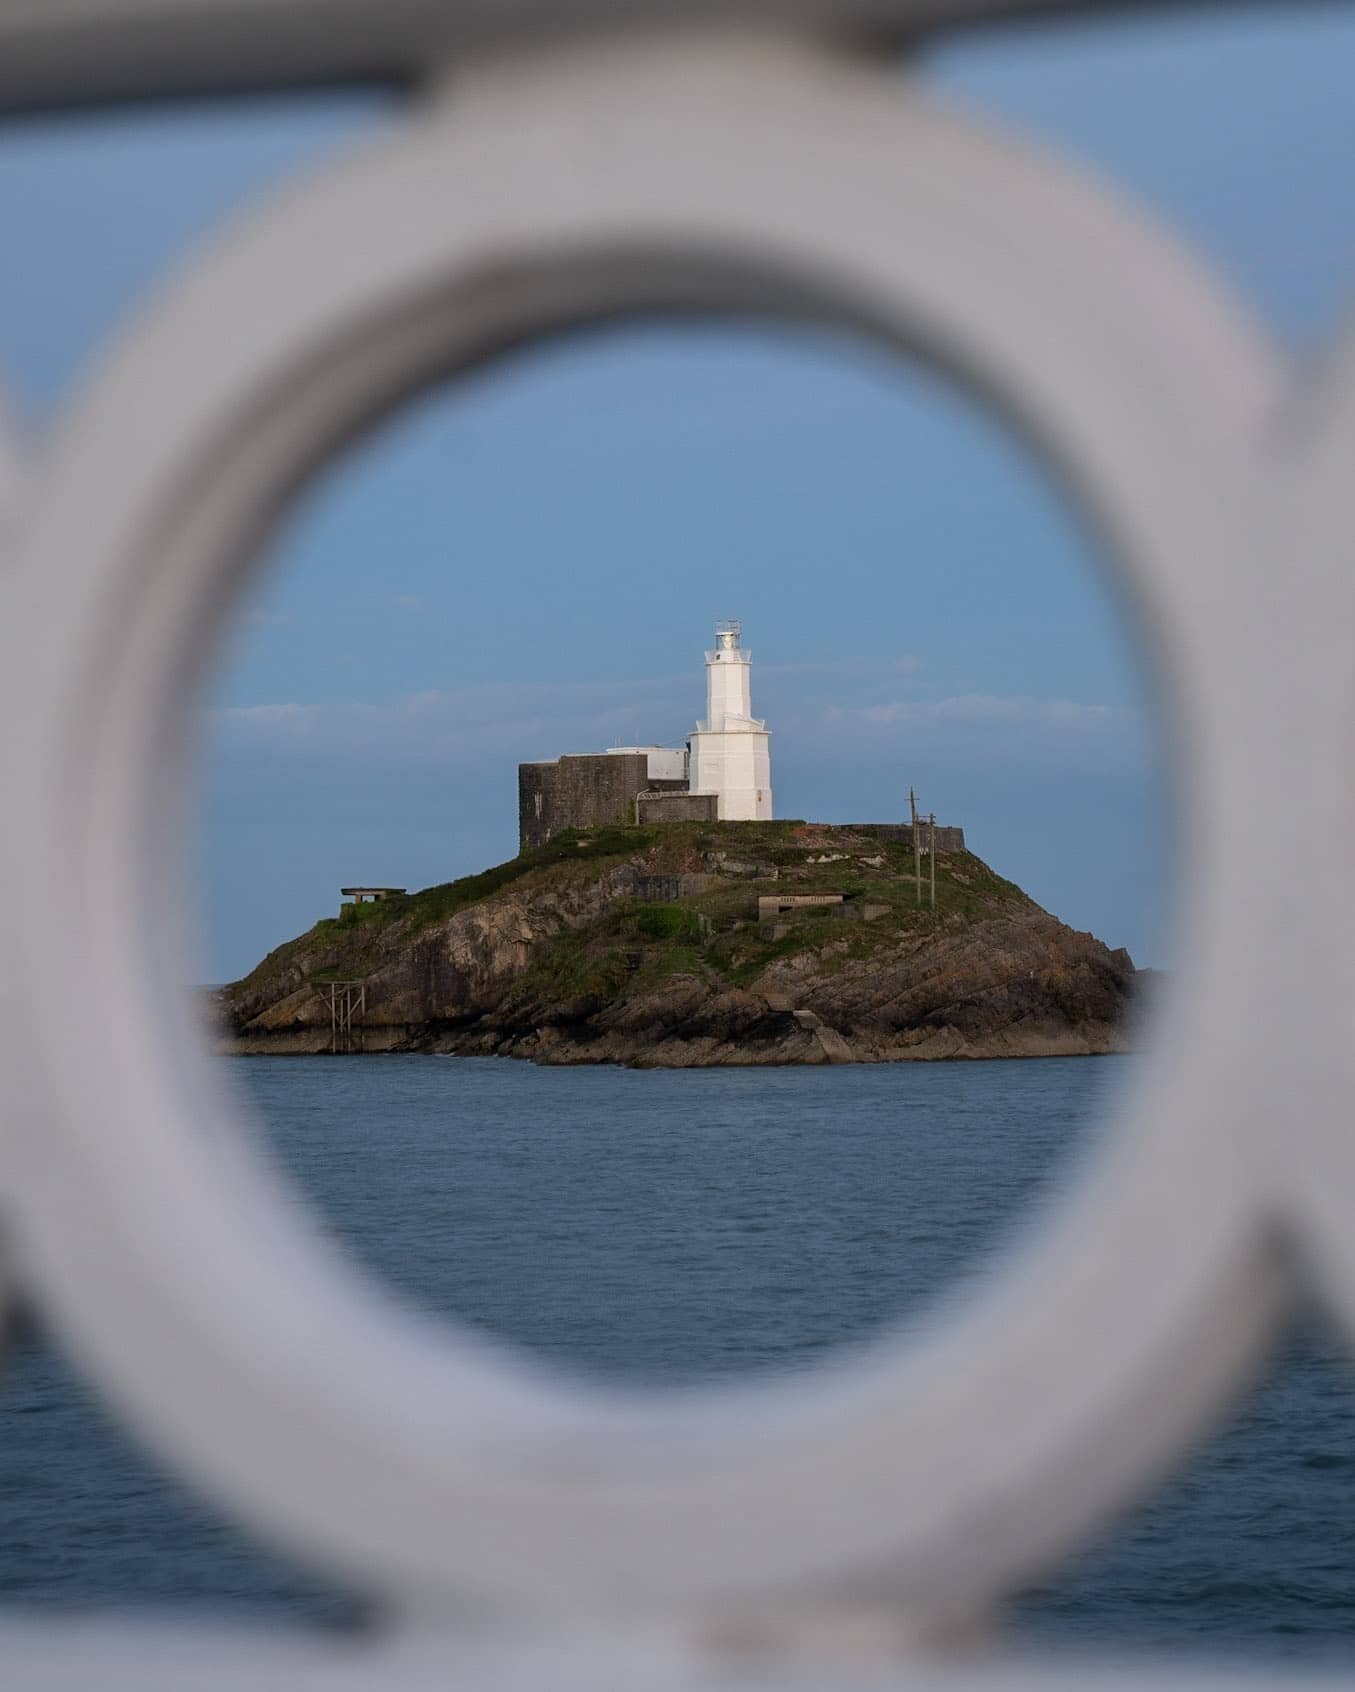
(531, 561)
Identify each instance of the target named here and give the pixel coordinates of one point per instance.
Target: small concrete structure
(656, 807)
(368, 895)
(772, 905)
(663, 889)
(776, 911)
(773, 908)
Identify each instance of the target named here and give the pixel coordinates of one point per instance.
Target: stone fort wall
(948, 839)
(591, 790)
(586, 790)
(680, 806)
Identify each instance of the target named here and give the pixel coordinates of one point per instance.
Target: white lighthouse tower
(731, 756)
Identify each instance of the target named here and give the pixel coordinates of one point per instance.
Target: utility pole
(917, 847)
(933, 852)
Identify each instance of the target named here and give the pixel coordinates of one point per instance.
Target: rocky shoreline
(646, 948)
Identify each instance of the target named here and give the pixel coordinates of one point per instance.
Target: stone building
(723, 772)
(652, 806)
(591, 789)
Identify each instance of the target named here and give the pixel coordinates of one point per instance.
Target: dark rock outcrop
(554, 957)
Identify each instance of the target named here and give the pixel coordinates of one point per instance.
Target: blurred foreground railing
(860, 1527)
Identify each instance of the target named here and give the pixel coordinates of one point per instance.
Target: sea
(684, 1227)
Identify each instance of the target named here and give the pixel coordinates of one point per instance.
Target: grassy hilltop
(643, 945)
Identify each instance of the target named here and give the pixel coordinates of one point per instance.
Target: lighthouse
(731, 756)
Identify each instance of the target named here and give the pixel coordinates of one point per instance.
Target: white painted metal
(142, 524)
(81, 1656)
(830, 1527)
(56, 50)
(13, 479)
(731, 749)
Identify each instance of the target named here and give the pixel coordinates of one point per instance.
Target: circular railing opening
(334, 1417)
(782, 1078)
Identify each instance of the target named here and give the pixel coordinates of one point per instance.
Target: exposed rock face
(563, 957)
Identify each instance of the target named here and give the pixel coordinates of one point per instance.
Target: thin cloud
(902, 666)
(510, 722)
(291, 719)
(465, 725)
(981, 730)
(985, 708)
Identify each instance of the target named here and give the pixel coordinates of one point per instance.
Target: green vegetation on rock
(623, 943)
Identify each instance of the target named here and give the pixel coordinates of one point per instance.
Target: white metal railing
(826, 1532)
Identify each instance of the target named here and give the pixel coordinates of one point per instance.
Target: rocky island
(696, 943)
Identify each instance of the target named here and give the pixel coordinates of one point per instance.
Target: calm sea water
(677, 1227)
